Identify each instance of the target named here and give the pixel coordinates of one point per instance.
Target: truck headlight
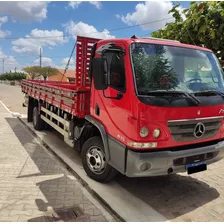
(156, 133)
(144, 132)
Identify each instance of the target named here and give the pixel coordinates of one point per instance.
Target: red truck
(138, 106)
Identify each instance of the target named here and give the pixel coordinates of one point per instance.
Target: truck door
(115, 103)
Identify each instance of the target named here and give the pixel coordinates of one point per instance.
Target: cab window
(117, 73)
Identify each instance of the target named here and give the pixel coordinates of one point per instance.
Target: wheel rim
(96, 160)
(34, 117)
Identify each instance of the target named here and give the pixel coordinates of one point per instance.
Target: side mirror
(100, 71)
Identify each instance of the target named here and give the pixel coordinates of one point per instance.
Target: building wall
(59, 77)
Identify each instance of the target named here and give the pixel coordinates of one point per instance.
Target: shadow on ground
(60, 192)
(172, 196)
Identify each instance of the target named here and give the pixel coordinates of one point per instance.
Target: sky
(26, 27)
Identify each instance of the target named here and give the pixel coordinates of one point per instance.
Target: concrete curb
(117, 217)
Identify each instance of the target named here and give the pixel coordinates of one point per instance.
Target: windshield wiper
(209, 92)
(188, 95)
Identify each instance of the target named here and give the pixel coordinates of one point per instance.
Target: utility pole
(15, 69)
(40, 58)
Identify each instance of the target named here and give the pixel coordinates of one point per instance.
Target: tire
(47, 126)
(95, 145)
(38, 123)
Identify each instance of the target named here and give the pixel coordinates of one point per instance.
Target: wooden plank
(60, 130)
(60, 119)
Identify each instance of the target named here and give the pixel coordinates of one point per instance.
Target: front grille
(183, 130)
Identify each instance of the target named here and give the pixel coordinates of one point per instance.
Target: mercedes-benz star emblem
(199, 130)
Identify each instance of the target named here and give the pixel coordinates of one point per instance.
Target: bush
(17, 76)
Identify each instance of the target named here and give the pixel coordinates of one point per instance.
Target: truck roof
(155, 41)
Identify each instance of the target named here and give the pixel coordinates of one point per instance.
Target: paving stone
(89, 212)
(4, 213)
(17, 212)
(97, 219)
(31, 181)
(9, 219)
(96, 212)
(219, 209)
(23, 218)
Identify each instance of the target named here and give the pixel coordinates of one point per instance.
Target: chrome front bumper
(143, 164)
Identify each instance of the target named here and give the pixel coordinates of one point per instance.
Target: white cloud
(65, 61)
(25, 11)
(38, 38)
(117, 16)
(75, 4)
(150, 11)
(9, 62)
(3, 19)
(5, 33)
(45, 62)
(97, 4)
(87, 30)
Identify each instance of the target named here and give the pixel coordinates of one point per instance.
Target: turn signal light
(142, 145)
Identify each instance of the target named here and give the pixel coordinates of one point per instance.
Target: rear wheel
(38, 123)
(94, 161)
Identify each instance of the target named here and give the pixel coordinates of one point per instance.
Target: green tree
(48, 71)
(37, 71)
(19, 76)
(33, 71)
(202, 24)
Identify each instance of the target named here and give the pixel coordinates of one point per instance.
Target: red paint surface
(122, 118)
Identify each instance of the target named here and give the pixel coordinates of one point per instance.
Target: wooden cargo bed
(66, 96)
(72, 97)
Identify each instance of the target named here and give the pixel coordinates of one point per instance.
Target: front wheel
(94, 161)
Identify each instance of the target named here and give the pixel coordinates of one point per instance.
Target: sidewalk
(34, 186)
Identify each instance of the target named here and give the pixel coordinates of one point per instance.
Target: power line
(9, 64)
(67, 65)
(21, 56)
(110, 30)
(38, 56)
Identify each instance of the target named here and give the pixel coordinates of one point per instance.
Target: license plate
(196, 167)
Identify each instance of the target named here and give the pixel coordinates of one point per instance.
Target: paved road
(199, 197)
(33, 185)
(12, 98)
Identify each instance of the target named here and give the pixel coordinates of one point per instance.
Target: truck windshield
(165, 68)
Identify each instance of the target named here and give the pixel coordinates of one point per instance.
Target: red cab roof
(155, 41)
